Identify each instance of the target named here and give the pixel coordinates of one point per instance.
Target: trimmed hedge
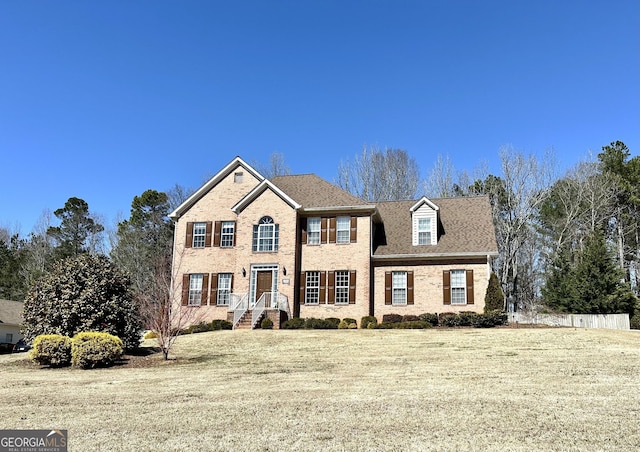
(366, 320)
(203, 327)
(266, 324)
(411, 325)
(52, 350)
(91, 349)
(431, 318)
(391, 318)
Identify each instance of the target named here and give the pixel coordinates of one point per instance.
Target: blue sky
(103, 100)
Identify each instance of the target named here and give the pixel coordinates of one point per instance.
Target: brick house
(297, 246)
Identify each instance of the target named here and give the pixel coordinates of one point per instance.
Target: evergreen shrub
(91, 349)
(51, 350)
(266, 324)
(366, 320)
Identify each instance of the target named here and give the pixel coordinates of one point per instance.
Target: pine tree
(494, 298)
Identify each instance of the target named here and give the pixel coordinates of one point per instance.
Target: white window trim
(344, 287)
(227, 235)
(462, 286)
(403, 287)
(224, 289)
(314, 226)
(315, 288)
(346, 231)
(197, 236)
(195, 289)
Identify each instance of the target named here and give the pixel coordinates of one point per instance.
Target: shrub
(150, 335)
(218, 324)
(83, 293)
(201, 327)
(431, 318)
(350, 321)
(391, 318)
(467, 318)
(343, 325)
(295, 323)
(333, 322)
(51, 350)
(318, 324)
(366, 320)
(494, 298)
(410, 318)
(266, 324)
(635, 321)
(448, 319)
(352, 326)
(95, 350)
(491, 319)
(412, 325)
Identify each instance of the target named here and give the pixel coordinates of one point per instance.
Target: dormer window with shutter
(424, 223)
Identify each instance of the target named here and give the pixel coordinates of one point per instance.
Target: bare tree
(158, 307)
(523, 189)
(440, 182)
(275, 167)
(377, 175)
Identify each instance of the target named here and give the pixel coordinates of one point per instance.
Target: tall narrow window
(343, 228)
(195, 290)
(265, 235)
(199, 234)
(399, 288)
(313, 231)
(342, 287)
(424, 231)
(224, 289)
(312, 292)
(228, 230)
(458, 287)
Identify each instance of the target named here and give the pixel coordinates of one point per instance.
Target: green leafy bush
(91, 349)
(491, 319)
(349, 321)
(319, 324)
(266, 324)
(391, 318)
(352, 326)
(366, 320)
(51, 350)
(295, 323)
(635, 321)
(431, 318)
(201, 327)
(333, 321)
(83, 293)
(494, 298)
(343, 325)
(218, 324)
(467, 318)
(412, 325)
(410, 318)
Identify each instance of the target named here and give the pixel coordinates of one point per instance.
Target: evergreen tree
(76, 229)
(494, 298)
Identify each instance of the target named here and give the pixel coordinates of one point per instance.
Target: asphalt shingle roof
(312, 191)
(11, 312)
(465, 226)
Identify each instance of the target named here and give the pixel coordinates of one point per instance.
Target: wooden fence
(609, 321)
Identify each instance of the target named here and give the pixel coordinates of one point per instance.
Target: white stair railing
(239, 304)
(263, 302)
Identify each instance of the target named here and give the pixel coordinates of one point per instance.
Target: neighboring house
(10, 320)
(298, 246)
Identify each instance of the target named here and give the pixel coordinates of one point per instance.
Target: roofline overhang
(428, 256)
(258, 190)
(424, 200)
(207, 186)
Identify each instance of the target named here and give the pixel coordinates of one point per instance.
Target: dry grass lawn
(502, 389)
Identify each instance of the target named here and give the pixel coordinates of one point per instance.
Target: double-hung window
(228, 230)
(312, 289)
(424, 231)
(199, 234)
(458, 287)
(265, 235)
(313, 231)
(399, 288)
(224, 289)
(342, 287)
(195, 289)
(343, 229)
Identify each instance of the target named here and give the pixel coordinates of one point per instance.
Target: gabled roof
(224, 172)
(465, 229)
(258, 190)
(11, 312)
(422, 201)
(316, 194)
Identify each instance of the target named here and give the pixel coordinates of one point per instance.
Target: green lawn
(501, 389)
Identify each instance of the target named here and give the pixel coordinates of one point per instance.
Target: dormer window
(424, 231)
(424, 221)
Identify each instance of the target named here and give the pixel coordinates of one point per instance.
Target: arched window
(265, 235)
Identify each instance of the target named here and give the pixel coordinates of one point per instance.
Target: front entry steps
(245, 321)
